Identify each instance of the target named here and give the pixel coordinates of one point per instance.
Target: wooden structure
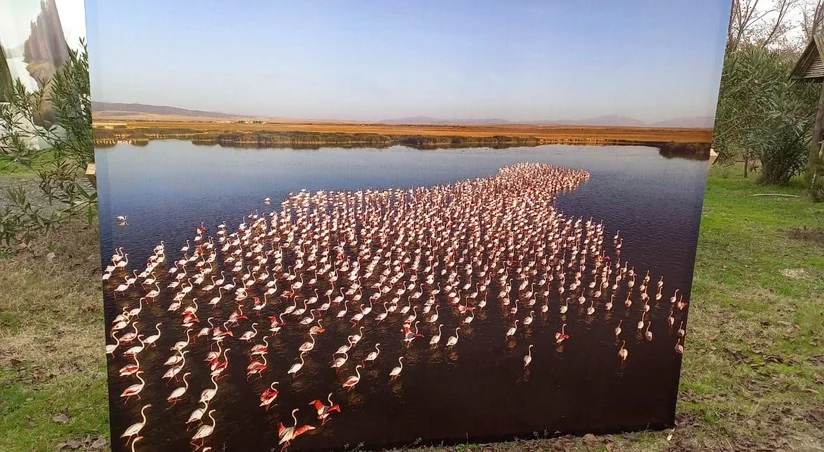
(810, 68)
(713, 156)
(91, 174)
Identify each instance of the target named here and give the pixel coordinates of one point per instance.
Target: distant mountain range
(110, 107)
(116, 109)
(418, 120)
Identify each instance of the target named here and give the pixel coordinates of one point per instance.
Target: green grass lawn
(753, 373)
(8, 168)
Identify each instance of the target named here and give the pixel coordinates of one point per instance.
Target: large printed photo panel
(379, 224)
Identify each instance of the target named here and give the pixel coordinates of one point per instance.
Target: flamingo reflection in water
(409, 252)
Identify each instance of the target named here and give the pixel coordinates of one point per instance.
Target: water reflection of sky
(478, 388)
(168, 187)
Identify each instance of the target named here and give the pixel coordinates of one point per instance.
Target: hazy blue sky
(454, 59)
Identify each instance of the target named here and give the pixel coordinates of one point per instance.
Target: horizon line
(436, 120)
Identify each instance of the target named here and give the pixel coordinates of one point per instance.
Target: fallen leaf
(609, 447)
(589, 438)
(50, 256)
(61, 418)
(818, 379)
(774, 359)
(99, 443)
(71, 444)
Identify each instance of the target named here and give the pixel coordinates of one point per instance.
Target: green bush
(58, 150)
(762, 115)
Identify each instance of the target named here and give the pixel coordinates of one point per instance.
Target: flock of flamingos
(423, 258)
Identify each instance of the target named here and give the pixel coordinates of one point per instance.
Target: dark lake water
(479, 389)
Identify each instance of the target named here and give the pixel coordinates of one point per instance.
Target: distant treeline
(695, 151)
(316, 140)
(304, 139)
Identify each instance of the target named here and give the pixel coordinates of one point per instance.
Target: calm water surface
(479, 389)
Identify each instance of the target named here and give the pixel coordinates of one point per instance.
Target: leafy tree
(59, 150)
(762, 115)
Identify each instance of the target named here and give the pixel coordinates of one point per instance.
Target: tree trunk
(813, 160)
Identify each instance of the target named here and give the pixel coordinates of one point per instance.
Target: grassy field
(18, 170)
(549, 133)
(753, 376)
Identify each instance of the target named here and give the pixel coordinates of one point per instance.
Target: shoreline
(688, 144)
